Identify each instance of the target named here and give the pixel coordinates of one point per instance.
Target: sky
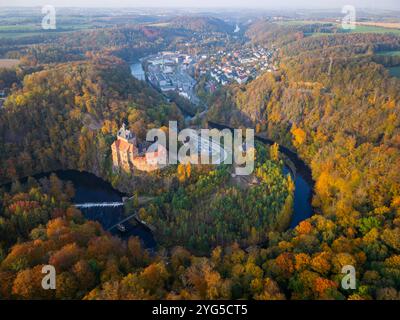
(268, 4)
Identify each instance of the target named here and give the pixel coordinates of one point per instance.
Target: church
(128, 156)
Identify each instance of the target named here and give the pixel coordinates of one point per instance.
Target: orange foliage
(302, 261)
(299, 135)
(304, 227)
(321, 263)
(285, 262)
(321, 285)
(67, 256)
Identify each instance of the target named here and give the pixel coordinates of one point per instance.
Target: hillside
(201, 24)
(71, 113)
(339, 109)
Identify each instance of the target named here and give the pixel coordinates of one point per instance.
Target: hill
(201, 24)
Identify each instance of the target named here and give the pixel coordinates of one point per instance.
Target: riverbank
(97, 199)
(304, 184)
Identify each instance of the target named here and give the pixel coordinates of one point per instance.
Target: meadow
(394, 71)
(389, 53)
(374, 29)
(8, 63)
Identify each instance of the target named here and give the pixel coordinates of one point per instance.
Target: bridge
(142, 201)
(132, 216)
(122, 221)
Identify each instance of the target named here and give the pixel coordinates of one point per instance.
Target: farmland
(8, 63)
(389, 53)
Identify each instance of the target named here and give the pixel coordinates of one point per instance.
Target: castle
(127, 156)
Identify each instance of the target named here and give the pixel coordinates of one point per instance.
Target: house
(184, 94)
(241, 79)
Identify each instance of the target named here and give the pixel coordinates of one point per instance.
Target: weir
(100, 205)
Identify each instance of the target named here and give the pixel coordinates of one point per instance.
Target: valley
(77, 193)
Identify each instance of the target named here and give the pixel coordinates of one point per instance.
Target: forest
(339, 109)
(71, 113)
(332, 101)
(207, 207)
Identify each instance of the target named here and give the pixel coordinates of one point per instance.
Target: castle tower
(126, 135)
(124, 149)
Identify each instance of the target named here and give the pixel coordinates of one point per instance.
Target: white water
(100, 205)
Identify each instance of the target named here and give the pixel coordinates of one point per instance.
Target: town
(239, 66)
(180, 72)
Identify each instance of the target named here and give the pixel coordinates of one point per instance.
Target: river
(99, 201)
(98, 194)
(303, 181)
(137, 71)
(302, 208)
(304, 184)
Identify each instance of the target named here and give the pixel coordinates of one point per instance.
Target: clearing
(8, 63)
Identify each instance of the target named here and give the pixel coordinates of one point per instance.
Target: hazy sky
(276, 4)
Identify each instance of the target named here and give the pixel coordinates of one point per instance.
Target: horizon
(209, 4)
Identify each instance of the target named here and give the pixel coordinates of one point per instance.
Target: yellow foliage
(20, 100)
(299, 135)
(302, 260)
(323, 183)
(320, 263)
(274, 152)
(393, 262)
(396, 202)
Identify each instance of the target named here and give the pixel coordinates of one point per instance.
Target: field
(361, 27)
(301, 22)
(160, 24)
(389, 53)
(374, 29)
(8, 63)
(388, 25)
(394, 71)
(319, 34)
(29, 30)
